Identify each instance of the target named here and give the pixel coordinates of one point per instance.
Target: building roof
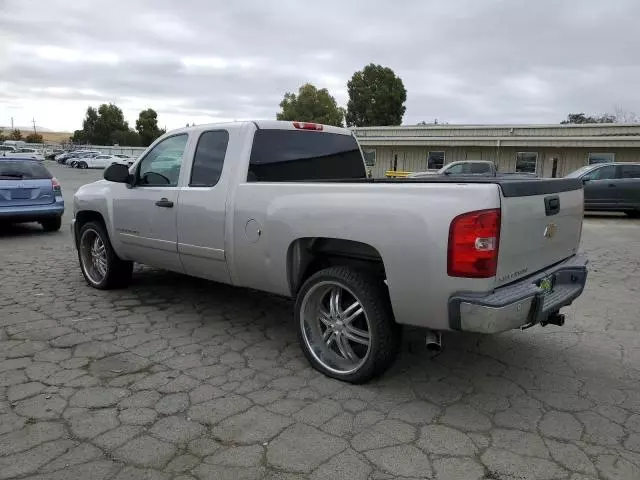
(605, 135)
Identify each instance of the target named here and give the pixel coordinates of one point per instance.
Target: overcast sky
(462, 61)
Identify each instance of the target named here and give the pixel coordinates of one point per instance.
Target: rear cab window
(209, 158)
(299, 155)
(630, 171)
(27, 170)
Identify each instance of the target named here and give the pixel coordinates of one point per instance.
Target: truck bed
(510, 186)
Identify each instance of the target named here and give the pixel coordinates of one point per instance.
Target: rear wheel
(100, 265)
(345, 324)
(51, 224)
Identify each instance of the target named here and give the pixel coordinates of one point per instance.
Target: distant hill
(48, 136)
(56, 137)
(23, 129)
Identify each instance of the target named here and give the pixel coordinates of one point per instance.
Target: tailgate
(541, 225)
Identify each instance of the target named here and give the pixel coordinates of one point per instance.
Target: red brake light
(56, 185)
(473, 244)
(307, 126)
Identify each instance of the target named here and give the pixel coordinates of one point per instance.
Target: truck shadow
(558, 359)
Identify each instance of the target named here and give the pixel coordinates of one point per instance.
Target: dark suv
(611, 187)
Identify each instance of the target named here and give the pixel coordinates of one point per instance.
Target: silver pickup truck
(286, 207)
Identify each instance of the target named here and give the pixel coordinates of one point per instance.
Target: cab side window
(602, 173)
(161, 166)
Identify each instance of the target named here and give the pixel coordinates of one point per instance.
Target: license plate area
(21, 194)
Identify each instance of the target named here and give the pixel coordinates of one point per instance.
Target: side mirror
(585, 179)
(118, 173)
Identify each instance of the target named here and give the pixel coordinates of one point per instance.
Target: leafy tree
(129, 138)
(15, 135)
(311, 105)
(34, 138)
(110, 120)
(376, 97)
(104, 126)
(581, 118)
(147, 127)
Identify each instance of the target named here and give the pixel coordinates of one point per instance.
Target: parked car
(126, 159)
(31, 151)
(470, 167)
(97, 161)
(611, 187)
(81, 161)
(29, 193)
(72, 156)
(7, 148)
(285, 207)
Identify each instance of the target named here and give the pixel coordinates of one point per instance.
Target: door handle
(163, 202)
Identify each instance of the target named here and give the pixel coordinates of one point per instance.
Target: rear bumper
(521, 303)
(32, 213)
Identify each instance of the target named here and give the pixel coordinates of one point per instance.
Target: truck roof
(268, 125)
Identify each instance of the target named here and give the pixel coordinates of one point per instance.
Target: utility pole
(12, 124)
(33, 120)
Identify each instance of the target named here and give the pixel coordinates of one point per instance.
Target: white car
(26, 152)
(97, 161)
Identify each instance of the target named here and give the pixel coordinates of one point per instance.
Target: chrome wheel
(335, 327)
(93, 255)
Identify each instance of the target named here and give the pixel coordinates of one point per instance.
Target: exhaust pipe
(434, 341)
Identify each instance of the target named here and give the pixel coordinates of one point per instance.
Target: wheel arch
(308, 255)
(85, 216)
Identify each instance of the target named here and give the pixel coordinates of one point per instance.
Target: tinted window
(526, 162)
(294, 155)
(435, 160)
(161, 166)
(602, 173)
(479, 168)
(601, 157)
(630, 171)
(577, 173)
(209, 158)
(22, 169)
(456, 169)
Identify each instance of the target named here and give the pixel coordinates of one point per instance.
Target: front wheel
(83, 165)
(101, 266)
(345, 324)
(633, 214)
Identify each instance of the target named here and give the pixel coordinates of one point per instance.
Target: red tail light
(56, 185)
(307, 126)
(473, 244)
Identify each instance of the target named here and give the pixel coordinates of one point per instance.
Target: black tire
(51, 224)
(83, 165)
(118, 271)
(384, 333)
(633, 214)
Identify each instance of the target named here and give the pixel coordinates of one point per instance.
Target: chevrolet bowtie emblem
(550, 230)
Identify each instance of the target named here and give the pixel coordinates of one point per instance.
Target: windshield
(578, 173)
(20, 169)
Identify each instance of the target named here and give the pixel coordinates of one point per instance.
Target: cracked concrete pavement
(177, 378)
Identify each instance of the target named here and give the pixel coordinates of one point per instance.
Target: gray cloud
(461, 60)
